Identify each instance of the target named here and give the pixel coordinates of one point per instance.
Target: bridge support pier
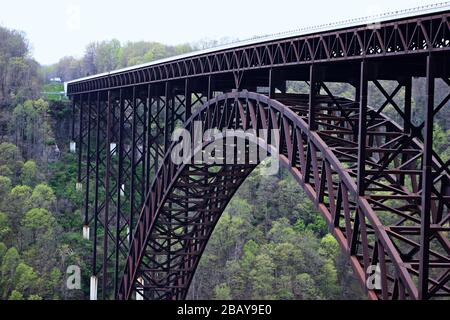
(427, 181)
(140, 291)
(86, 232)
(94, 286)
(73, 146)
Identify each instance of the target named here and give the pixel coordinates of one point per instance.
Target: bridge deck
(411, 32)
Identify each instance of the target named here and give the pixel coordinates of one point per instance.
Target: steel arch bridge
(382, 189)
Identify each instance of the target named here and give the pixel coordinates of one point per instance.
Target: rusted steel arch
(172, 230)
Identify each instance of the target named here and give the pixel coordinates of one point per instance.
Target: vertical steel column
(427, 182)
(73, 117)
(148, 140)
(408, 97)
(97, 183)
(407, 125)
(167, 118)
(143, 160)
(271, 84)
(362, 132)
(362, 140)
(311, 116)
(357, 101)
(159, 135)
(312, 97)
(119, 190)
(110, 109)
(188, 98)
(88, 164)
(210, 92)
(134, 108)
(80, 140)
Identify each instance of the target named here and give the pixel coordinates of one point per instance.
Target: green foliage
(43, 197)
(31, 128)
(38, 221)
(18, 204)
(5, 187)
(105, 56)
(6, 171)
(9, 155)
(268, 245)
(11, 260)
(63, 179)
(262, 277)
(329, 247)
(3, 250)
(5, 229)
(305, 288)
(441, 142)
(18, 71)
(328, 279)
(16, 295)
(25, 279)
(222, 292)
(29, 173)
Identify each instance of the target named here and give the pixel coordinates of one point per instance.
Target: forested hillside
(39, 208)
(270, 243)
(110, 55)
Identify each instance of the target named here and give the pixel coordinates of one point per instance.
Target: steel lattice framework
(382, 189)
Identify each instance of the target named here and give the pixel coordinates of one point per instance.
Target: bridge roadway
(382, 189)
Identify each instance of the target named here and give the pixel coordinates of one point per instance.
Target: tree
(222, 292)
(38, 223)
(32, 131)
(3, 250)
(52, 284)
(25, 279)
(43, 197)
(29, 173)
(9, 155)
(5, 187)
(441, 142)
(328, 280)
(16, 295)
(19, 76)
(19, 203)
(329, 247)
(10, 262)
(281, 231)
(107, 55)
(305, 287)
(88, 62)
(5, 171)
(68, 68)
(5, 229)
(262, 277)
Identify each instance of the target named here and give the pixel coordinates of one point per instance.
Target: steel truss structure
(382, 189)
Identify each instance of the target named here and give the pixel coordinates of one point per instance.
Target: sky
(58, 28)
